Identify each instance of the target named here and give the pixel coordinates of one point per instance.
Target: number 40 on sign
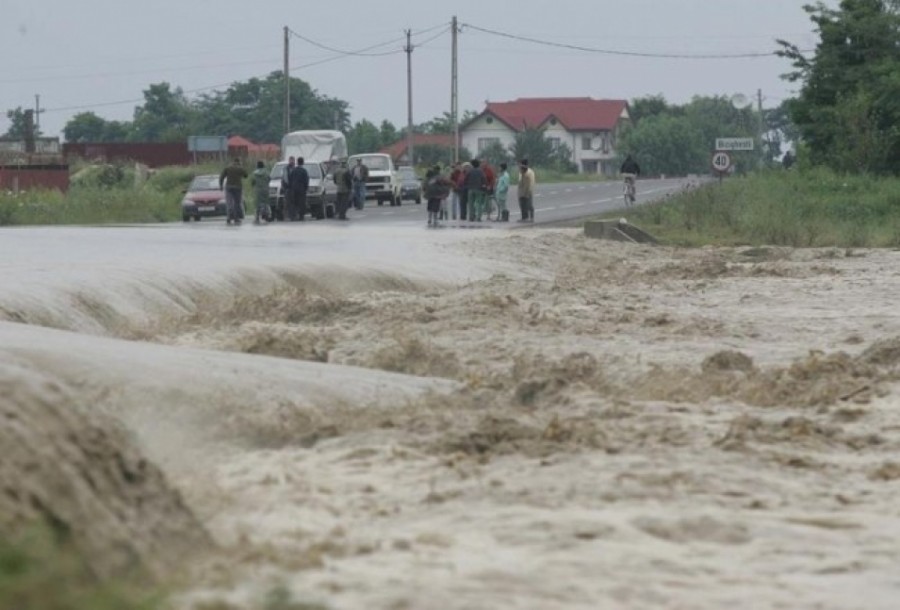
(721, 161)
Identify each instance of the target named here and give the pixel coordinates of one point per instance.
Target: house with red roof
(589, 127)
(239, 146)
(399, 150)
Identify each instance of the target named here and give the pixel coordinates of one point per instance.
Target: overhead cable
(644, 54)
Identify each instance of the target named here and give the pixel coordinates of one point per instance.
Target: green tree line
(252, 109)
(847, 112)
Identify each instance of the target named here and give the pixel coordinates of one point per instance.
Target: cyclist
(630, 170)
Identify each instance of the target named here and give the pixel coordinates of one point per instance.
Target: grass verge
(814, 208)
(104, 195)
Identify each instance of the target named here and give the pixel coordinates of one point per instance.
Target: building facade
(589, 128)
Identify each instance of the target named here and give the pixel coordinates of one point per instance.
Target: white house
(587, 126)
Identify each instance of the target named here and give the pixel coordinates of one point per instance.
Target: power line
(340, 55)
(563, 45)
(132, 72)
(359, 53)
(363, 52)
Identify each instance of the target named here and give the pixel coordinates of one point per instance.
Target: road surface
(554, 203)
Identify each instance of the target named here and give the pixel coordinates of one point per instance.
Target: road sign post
(721, 163)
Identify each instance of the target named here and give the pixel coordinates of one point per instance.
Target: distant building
(589, 127)
(46, 147)
(239, 146)
(399, 150)
(36, 164)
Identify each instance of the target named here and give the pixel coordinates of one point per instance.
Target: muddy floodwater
(396, 418)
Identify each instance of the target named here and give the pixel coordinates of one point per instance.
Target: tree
(651, 105)
(255, 109)
(433, 154)
(364, 137)
(495, 154)
(18, 124)
(850, 84)
(85, 127)
(531, 144)
(444, 124)
(673, 139)
(165, 115)
(666, 144)
(388, 133)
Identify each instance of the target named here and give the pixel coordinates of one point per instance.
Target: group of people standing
(351, 187)
(469, 192)
(294, 185)
(472, 189)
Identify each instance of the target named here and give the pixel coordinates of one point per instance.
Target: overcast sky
(100, 55)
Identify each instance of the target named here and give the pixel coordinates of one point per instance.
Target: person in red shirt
(489, 182)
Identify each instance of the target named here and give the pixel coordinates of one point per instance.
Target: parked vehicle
(383, 183)
(410, 184)
(203, 198)
(320, 198)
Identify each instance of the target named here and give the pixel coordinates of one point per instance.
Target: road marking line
(574, 205)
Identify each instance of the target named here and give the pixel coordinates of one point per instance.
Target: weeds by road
(812, 208)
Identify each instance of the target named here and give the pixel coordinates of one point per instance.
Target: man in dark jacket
(630, 166)
(475, 183)
(344, 183)
(297, 186)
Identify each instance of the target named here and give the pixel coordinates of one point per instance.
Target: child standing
(501, 193)
(437, 188)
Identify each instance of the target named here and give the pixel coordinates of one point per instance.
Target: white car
(383, 183)
(320, 198)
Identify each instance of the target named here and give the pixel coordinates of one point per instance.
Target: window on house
(585, 142)
(554, 142)
(486, 142)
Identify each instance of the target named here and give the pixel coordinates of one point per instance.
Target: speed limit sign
(721, 161)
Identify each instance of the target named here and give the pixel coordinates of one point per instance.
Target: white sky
(99, 55)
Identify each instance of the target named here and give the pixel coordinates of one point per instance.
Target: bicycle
(490, 206)
(629, 189)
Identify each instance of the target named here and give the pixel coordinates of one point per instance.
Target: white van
(384, 181)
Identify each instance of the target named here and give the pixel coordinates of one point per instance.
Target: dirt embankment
(80, 474)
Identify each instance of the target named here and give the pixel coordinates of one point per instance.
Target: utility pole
(287, 80)
(37, 113)
(409, 100)
(761, 127)
(454, 96)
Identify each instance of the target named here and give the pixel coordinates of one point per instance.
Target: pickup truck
(320, 198)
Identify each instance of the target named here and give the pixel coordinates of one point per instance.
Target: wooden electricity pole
(454, 96)
(287, 80)
(409, 100)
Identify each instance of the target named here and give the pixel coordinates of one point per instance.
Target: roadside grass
(104, 195)
(37, 573)
(813, 208)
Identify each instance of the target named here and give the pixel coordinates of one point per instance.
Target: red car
(203, 198)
